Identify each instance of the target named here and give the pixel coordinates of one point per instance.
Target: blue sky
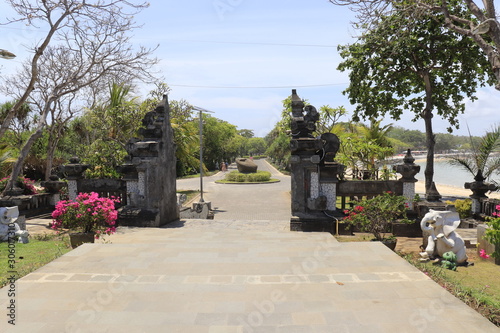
(241, 58)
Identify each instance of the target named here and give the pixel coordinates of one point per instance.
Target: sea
(445, 173)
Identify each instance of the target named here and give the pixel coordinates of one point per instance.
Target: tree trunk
(50, 157)
(430, 138)
(18, 166)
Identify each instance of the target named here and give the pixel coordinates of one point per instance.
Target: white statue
(441, 235)
(9, 227)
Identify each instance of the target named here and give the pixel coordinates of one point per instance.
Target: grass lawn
(41, 250)
(205, 174)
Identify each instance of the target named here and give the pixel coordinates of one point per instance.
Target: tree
(109, 125)
(246, 133)
(360, 148)
(414, 139)
(424, 69)
(216, 135)
(476, 21)
(90, 44)
(255, 146)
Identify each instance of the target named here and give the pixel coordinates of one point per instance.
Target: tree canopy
(420, 67)
(475, 20)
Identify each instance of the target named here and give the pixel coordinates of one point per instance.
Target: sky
(241, 59)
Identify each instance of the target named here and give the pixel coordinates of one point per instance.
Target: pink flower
(483, 254)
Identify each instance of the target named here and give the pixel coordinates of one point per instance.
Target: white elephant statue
(9, 227)
(439, 229)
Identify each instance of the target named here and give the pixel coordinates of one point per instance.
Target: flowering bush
(483, 254)
(492, 234)
(26, 184)
(88, 213)
(375, 215)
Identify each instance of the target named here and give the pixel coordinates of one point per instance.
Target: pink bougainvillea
(88, 213)
(483, 254)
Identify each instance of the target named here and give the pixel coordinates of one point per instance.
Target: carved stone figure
(9, 227)
(439, 230)
(246, 165)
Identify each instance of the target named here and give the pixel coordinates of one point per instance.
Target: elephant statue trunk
(438, 229)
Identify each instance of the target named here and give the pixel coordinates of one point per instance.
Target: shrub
(463, 207)
(492, 234)
(88, 213)
(259, 176)
(376, 215)
(26, 184)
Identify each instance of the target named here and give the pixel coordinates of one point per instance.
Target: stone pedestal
(73, 172)
(408, 170)
(53, 186)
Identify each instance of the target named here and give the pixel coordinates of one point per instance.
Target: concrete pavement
(228, 275)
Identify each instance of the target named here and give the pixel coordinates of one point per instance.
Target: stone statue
(246, 165)
(8, 226)
(441, 236)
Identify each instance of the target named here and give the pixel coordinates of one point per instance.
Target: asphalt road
(245, 201)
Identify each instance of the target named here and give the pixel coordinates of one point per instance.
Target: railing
(30, 205)
(105, 188)
(488, 206)
(348, 192)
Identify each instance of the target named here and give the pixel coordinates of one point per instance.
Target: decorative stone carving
(439, 235)
(53, 185)
(9, 229)
(150, 173)
(246, 165)
(74, 170)
(303, 118)
(314, 172)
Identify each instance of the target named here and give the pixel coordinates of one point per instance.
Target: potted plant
(492, 233)
(88, 217)
(376, 215)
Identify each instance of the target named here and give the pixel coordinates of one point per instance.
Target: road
(245, 201)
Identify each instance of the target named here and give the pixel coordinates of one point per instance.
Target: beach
(450, 191)
(444, 189)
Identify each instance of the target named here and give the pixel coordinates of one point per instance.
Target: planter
(78, 238)
(390, 243)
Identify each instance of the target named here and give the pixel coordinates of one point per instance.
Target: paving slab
(210, 276)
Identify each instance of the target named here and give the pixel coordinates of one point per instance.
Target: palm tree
(480, 162)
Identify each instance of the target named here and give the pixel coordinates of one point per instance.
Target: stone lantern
(479, 189)
(73, 172)
(408, 170)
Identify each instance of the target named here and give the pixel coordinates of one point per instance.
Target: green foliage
(390, 63)
(38, 252)
(375, 215)
(26, 184)
(104, 157)
(463, 207)
(220, 142)
(259, 176)
(255, 146)
(279, 148)
(492, 233)
(482, 158)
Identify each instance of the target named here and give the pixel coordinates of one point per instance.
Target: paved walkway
(246, 202)
(228, 275)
